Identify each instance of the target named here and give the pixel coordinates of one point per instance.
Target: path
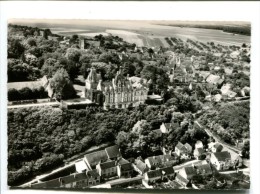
(34, 104)
(71, 163)
(218, 140)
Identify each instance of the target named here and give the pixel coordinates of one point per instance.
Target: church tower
(92, 79)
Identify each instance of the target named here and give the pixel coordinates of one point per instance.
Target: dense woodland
(230, 121)
(40, 138)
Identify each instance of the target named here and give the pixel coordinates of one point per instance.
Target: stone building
(120, 93)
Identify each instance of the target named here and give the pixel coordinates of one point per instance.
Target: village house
(161, 160)
(198, 144)
(124, 168)
(81, 166)
(204, 169)
(76, 180)
(140, 166)
(93, 177)
(107, 169)
(188, 172)
(217, 148)
(87, 43)
(94, 158)
(153, 175)
(168, 172)
(182, 181)
(198, 152)
(183, 150)
(165, 127)
(113, 152)
(221, 160)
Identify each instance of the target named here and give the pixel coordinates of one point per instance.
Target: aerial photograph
(124, 104)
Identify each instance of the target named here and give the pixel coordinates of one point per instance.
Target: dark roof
(126, 167)
(74, 178)
(96, 157)
(222, 156)
(39, 185)
(204, 168)
(154, 173)
(200, 150)
(55, 183)
(92, 173)
(141, 165)
(190, 171)
(167, 170)
(108, 164)
(113, 151)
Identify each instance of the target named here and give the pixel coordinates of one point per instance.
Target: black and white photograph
(128, 104)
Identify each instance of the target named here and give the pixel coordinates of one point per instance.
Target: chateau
(120, 93)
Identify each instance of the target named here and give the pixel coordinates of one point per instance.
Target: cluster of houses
(98, 168)
(92, 170)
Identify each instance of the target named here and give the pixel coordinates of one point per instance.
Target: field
(143, 33)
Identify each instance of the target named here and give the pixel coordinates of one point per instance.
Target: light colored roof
(140, 165)
(214, 79)
(80, 166)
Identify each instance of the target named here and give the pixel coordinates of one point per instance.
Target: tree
(62, 86)
(15, 48)
(246, 150)
(73, 54)
(31, 42)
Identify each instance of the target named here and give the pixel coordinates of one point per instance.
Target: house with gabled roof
(221, 160)
(92, 159)
(181, 180)
(183, 150)
(165, 127)
(168, 172)
(140, 167)
(161, 160)
(107, 169)
(153, 175)
(204, 169)
(198, 152)
(113, 152)
(93, 177)
(81, 166)
(124, 168)
(188, 172)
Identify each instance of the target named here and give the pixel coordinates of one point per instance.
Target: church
(120, 93)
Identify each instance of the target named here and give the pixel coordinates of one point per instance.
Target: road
(189, 163)
(245, 171)
(218, 140)
(34, 104)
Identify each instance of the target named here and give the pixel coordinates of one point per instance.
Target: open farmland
(143, 33)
